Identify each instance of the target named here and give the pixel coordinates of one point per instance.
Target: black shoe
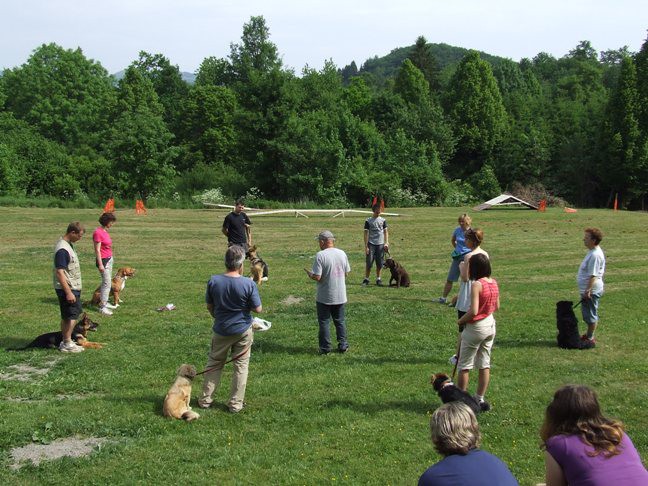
(365, 282)
(324, 351)
(379, 282)
(484, 406)
(343, 350)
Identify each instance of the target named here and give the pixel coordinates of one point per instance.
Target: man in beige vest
(67, 284)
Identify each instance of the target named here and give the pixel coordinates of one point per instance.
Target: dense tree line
(430, 131)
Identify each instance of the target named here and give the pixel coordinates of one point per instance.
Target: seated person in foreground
(455, 435)
(584, 448)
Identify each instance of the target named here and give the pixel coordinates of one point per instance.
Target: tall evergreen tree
(138, 141)
(477, 115)
(422, 58)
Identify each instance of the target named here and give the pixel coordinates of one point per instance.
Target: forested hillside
(425, 125)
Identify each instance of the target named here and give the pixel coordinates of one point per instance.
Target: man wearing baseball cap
(330, 269)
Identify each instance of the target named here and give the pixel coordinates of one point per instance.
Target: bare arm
(210, 309)
(366, 241)
(588, 292)
(454, 241)
(553, 472)
(474, 304)
(312, 276)
(60, 276)
(97, 249)
(225, 232)
(463, 268)
(386, 238)
(248, 234)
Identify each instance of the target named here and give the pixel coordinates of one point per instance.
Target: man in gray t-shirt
(329, 270)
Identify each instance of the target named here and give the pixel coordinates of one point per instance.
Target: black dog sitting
(568, 336)
(449, 392)
(53, 339)
(398, 273)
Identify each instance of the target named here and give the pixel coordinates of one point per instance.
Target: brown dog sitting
(398, 273)
(258, 268)
(118, 284)
(176, 402)
(52, 340)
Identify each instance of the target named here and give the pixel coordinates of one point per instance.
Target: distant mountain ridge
(446, 56)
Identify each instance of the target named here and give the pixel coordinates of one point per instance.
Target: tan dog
(258, 268)
(176, 402)
(118, 284)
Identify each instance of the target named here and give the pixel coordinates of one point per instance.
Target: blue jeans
(589, 309)
(324, 314)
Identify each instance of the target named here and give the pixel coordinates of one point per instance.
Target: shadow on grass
(156, 401)
(276, 347)
(413, 406)
(14, 344)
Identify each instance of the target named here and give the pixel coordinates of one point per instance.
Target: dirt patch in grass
(56, 397)
(27, 372)
(70, 447)
(292, 300)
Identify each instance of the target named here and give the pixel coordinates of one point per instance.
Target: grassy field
(358, 418)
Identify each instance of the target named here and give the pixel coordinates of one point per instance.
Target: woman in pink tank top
(479, 332)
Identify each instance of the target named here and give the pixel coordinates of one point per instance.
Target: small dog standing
(258, 267)
(52, 340)
(118, 284)
(398, 273)
(449, 392)
(176, 402)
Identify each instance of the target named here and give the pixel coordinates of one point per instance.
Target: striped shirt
(487, 299)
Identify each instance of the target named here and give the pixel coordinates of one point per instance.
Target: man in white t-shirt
(330, 269)
(590, 280)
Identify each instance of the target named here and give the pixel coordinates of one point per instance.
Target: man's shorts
(589, 308)
(376, 253)
(69, 312)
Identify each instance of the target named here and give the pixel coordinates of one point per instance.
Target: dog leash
(228, 361)
(577, 304)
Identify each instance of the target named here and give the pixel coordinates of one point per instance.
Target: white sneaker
(70, 347)
(440, 300)
(110, 306)
(105, 311)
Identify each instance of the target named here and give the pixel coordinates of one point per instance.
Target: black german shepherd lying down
(53, 339)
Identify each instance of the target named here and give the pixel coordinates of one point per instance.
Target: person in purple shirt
(584, 448)
(455, 435)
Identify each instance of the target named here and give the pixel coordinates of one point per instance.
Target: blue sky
(311, 31)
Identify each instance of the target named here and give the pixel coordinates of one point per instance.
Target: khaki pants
(220, 348)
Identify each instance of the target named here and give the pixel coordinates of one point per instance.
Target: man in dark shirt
(237, 227)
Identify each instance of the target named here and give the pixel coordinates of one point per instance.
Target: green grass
(358, 418)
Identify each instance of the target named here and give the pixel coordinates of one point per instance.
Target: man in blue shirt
(230, 298)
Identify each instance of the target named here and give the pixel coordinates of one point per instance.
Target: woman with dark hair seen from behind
(584, 448)
(479, 332)
(104, 260)
(473, 238)
(455, 435)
